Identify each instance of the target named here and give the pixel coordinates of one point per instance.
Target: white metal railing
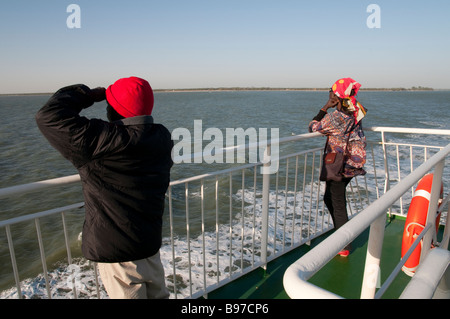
(255, 217)
(296, 276)
(425, 283)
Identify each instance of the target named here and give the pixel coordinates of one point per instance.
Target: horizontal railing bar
(411, 145)
(20, 219)
(15, 190)
(255, 145)
(26, 188)
(296, 276)
(305, 136)
(312, 150)
(407, 130)
(212, 174)
(239, 168)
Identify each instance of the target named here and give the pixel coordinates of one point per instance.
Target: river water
(25, 156)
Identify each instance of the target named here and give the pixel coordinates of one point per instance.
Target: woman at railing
(345, 141)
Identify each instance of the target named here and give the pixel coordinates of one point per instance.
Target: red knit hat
(131, 97)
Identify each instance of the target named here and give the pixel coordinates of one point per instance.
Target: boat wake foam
(229, 250)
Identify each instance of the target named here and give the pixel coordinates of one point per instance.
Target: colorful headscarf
(347, 89)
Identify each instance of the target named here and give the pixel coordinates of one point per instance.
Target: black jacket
(125, 172)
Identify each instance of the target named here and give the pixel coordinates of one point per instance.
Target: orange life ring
(415, 222)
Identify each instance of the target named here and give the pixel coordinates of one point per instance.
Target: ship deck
(255, 216)
(342, 276)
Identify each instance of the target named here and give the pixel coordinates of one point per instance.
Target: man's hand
(98, 94)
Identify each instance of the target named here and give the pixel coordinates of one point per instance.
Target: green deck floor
(342, 276)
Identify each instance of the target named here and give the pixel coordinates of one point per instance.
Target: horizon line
(414, 88)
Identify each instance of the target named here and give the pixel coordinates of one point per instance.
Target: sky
(210, 44)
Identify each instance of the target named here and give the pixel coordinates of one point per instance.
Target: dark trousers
(335, 199)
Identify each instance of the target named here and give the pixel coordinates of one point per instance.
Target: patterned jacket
(336, 126)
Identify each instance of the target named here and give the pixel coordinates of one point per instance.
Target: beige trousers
(140, 279)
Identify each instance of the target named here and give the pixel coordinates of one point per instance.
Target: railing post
(372, 266)
(265, 207)
(432, 208)
(375, 243)
(446, 236)
(387, 184)
(13, 260)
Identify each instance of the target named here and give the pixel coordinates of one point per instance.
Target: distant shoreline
(413, 89)
(290, 89)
